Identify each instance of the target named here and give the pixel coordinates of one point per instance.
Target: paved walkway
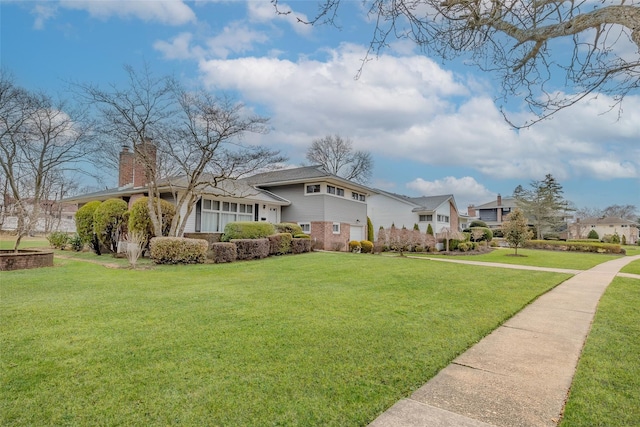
(520, 374)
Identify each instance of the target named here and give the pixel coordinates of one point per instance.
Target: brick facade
(324, 238)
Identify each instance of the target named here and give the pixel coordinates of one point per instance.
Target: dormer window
(314, 188)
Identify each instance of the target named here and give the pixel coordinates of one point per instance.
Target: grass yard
(632, 267)
(606, 389)
(320, 339)
(537, 258)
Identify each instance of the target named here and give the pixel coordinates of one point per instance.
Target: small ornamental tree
(108, 222)
(593, 234)
(447, 235)
(516, 230)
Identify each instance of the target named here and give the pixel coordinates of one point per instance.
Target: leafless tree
(198, 137)
(40, 139)
(523, 42)
(336, 155)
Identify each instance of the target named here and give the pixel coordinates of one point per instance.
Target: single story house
(607, 226)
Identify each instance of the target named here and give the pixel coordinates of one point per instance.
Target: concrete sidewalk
(520, 374)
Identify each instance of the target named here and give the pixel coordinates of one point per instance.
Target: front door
(272, 214)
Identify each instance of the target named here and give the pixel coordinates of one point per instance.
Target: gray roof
(431, 203)
(424, 203)
(300, 175)
(607, 220)
(507, 202)
(227, 187)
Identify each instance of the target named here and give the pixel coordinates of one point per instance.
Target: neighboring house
(229, 201)
(331, 209)
(493, 213)
(605, 226)
(386, 209)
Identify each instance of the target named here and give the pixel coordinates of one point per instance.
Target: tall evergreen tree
(543, 205)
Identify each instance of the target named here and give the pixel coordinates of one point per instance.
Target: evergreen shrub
(280, 243)
(252, 248)
(301, 245)
(367, 246)
(355, 246)
(247, 230)
(288, 227)
(140, 220)
(109, 222)
(58, 240)
(84, 220)
(178, 250)
(224, 252)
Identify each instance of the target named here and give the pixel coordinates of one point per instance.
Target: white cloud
(263, 11)
(42, 12)
(235, 38)
(408, 108)
(179, 48)
(466, 190)
(170, 12)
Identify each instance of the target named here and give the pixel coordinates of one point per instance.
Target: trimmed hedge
(280, 243)
(224, 252)
(178, 250)
(84, 220)
(252, 248)
(554, 245)
(355, 246)
(247, 230)
(140, 220)
(109, 222)
(288, 227)
(367, 246)
(301, 245)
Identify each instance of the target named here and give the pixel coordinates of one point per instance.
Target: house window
(340, 192)
(216, 214)
(426, 218)
(315, 188)
(306, 227)
(443, 218)
(336, 228)
(358, 196)
(331, 189)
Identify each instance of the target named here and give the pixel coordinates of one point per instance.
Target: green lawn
(320, 339)
(632, 267)
(606, 389)
(538, 258)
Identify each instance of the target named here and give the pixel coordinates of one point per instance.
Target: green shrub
(288, 227)
(593, 234)
(108, 222)
(252, 248)
(224, 252)
(140, 220)
(355, 246)
(370, 233)
(623, 241)
(477, 223)
(84, 220)
(367, 246)
(301, 245)
(247, 230)
(302, 236)
(280, 243)
(76, 242)
(178, 250)
(430, 230)
(465, 246)
(487, 234)
(615, 238)
(596, 247)
(58, 240)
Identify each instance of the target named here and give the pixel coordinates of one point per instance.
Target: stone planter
(25, 258)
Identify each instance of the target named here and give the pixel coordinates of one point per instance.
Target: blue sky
(432, 127)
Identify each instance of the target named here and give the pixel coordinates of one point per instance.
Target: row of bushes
(577, 246)
(240, 241)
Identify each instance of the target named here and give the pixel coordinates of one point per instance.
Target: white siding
(384, 211)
